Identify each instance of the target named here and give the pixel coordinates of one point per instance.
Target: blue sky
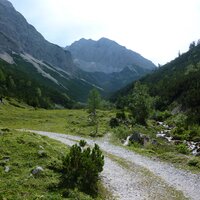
(157, 29)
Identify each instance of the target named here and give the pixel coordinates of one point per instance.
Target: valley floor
(132, 176)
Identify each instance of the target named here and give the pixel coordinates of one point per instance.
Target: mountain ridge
(105, 55)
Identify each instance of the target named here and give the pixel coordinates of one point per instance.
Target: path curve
(144, 178)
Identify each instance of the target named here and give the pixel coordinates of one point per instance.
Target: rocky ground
(131, 176)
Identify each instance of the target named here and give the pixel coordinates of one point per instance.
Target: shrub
(121, 116)
(194, 133)
(182, 148)
(161, 116)
(113, 123)
(81, 168)
(193, 162)
(179, 133)
(180, 120)
(122, 132)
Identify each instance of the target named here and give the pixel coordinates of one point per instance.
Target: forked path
(131, 176)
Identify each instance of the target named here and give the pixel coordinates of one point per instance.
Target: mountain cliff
(19, 36)
(106, 56)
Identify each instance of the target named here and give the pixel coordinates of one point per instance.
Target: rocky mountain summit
(17, 35)
(106, 56)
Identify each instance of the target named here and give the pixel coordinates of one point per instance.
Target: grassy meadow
(16, 116)
(20, 151)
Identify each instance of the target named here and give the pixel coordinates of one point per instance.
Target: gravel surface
(131, 176)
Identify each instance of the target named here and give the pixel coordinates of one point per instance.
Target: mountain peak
(6, 3)
(105, 55)
(106, 41)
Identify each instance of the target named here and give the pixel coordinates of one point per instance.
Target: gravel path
(131, 176)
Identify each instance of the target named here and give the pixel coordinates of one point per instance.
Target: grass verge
(20, 153)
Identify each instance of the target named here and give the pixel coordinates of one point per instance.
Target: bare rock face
(17, 35)
(106, 56)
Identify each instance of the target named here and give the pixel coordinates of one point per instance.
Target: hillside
(176, 84)
(39, 84)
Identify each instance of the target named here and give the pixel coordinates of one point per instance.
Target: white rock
(126, 143)
(37, 170)
(7, 169)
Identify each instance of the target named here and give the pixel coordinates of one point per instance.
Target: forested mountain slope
(176, 84)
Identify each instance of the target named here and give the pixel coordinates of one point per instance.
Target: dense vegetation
(175, 84)
(21, 85)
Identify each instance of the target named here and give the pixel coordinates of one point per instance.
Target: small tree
(94, 101)
(140, 103)
(81, 168)
(192, 45)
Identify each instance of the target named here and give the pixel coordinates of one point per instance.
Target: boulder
(154, 142)
(139, 138)
(42, 153)
(37, 170)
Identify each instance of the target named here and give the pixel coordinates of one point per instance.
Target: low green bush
(193, 162)
(179, 133)
(161, 116)
(121, 116)
(182, 148)
(113, 122)
(81, 168)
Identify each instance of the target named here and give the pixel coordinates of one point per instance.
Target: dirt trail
(131, 176)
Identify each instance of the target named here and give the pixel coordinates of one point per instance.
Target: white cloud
(157, 29)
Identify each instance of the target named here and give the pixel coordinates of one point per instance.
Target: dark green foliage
(22, 86)
(113, 122)
(81, 168)
(179, 133)
(119, 119)
(182, 148)
(93, 100)
(121, 116)
(161, 116)
(82, 143)
(194, 162)
(177, 81)
(139, 103)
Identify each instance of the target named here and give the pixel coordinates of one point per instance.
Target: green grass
(163, 151)
(76, 122)
(20, 151)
